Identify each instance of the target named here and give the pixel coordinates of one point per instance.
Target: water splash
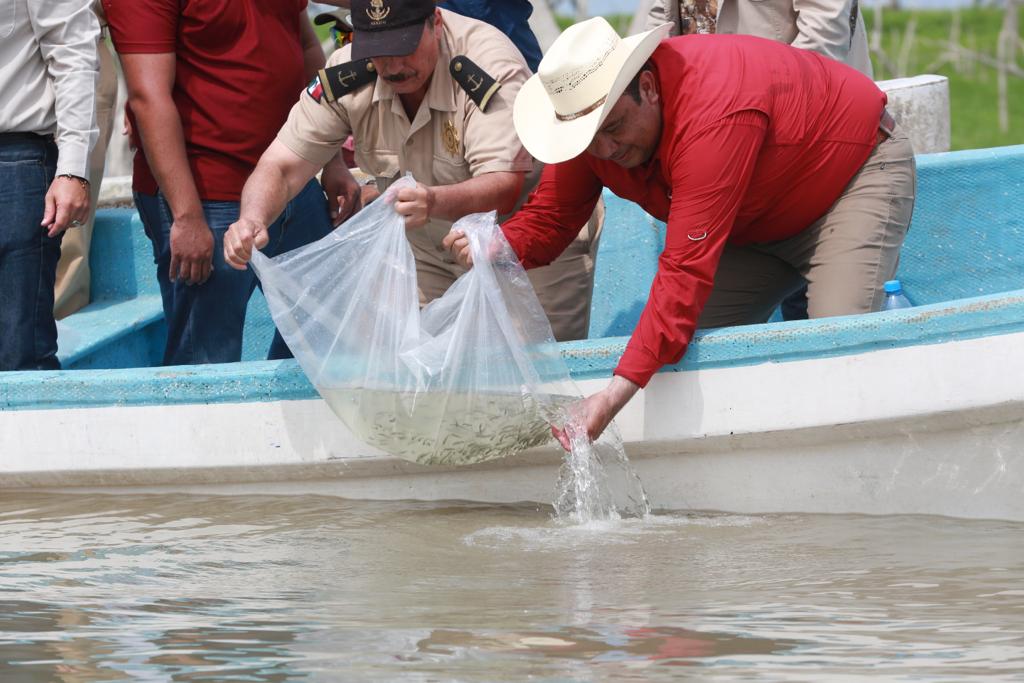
(597, 483)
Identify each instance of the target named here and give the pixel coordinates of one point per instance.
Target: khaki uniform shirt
(448, 141)
(823, 26)
(48, 71)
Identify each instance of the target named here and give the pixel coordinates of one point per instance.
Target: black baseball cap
(388, 28)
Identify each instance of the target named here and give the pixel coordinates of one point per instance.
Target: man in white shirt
(48, 72)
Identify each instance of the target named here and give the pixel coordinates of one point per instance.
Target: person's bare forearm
(163, 141)
(279, 176)
(488, 192)
(265, 194)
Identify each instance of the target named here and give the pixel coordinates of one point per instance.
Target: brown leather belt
(886, 126)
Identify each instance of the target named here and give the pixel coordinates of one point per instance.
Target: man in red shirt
(210, 82)
(772, 166)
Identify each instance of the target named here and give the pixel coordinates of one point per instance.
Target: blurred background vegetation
(922, 37)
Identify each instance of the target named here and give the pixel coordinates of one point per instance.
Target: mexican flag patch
(315, 89)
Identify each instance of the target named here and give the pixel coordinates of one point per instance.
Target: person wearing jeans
(209, 84)
(28, 263)
(48, 71)
(204, 321)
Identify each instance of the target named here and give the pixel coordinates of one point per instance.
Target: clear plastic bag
(474, 375)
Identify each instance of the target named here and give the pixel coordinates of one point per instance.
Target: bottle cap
(893, 287)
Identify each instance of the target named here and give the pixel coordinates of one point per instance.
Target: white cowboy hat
(560, 108)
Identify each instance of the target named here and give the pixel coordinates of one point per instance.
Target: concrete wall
(921, 105)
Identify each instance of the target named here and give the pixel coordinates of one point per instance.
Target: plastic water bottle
(894, 296)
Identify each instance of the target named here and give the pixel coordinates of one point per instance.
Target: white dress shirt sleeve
(67, 32)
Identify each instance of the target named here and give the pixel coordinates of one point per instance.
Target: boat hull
(933, 429)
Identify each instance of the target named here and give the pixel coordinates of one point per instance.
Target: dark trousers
(28, 258)
(205, 322)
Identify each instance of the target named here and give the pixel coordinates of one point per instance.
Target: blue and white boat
(912, 411)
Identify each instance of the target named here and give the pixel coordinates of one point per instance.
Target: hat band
(582, 112)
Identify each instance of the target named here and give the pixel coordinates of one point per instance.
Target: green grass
(972, 88)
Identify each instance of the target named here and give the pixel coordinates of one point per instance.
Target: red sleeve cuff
(637, 366)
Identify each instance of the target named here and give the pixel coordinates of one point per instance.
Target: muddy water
(184, 588)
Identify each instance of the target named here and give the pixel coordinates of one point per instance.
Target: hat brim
(328, 17)
(394, 42)
(552, 140)
(340, 23)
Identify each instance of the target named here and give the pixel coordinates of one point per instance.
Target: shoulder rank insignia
(337, 81)
(475, 81)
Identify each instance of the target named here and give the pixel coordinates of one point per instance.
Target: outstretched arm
(278, 177)
(709, 180)
(551, 218)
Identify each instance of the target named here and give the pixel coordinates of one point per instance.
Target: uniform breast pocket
(449, 163)
(6, 18)
(448, 170)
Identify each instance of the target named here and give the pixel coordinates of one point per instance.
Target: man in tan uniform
(834, 28)
(422, 91)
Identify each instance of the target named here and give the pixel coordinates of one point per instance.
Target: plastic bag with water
(474, 375)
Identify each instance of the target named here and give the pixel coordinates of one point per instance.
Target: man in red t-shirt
(210, 82)
(772, 166)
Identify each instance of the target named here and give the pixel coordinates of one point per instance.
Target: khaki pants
(845, 257)
(71, 291)
(564, 287)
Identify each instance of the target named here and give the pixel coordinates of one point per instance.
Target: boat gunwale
(262, 381)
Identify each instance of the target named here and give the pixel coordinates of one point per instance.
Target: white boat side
(935, 429)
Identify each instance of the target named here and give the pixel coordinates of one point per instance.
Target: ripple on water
(558, 535)
(263, 588)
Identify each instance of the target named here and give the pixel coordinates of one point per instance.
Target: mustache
(398, 78)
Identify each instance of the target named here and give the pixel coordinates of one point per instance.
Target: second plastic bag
(474, 375)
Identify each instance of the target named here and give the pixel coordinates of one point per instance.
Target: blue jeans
(204, 322)
(28, 258)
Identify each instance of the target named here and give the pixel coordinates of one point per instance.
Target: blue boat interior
(962, 265)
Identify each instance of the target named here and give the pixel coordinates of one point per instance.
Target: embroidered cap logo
(378, 12)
